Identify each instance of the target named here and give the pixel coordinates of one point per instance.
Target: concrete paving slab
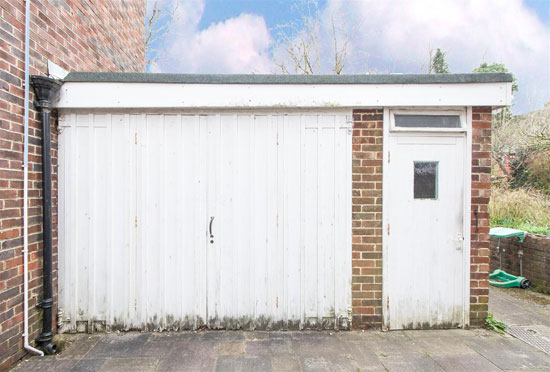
(130, 365)
(257, 347)
(119, 345)
(222, 335)
(173, 336)
(365, 359)
(440, 344)
(76, 345)
(160, 349)
(410, 364)
(509, 353)
(465, 362)
(449, 350)
(285, 363)
(190, 363)
(231, 348)
(257, 335)
(519, 306)
(311, 347)
(326, 363)
(281, 346)
(243, 364)
(45, 364)
(88, 365)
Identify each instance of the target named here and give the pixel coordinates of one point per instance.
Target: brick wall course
(78, 35)
(479, 216)
(367, 217)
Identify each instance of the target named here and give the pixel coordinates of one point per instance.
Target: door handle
(459, 241)
(210, 227)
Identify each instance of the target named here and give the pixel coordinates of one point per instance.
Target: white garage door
(175, 221)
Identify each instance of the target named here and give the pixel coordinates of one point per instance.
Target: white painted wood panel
(423, 251)
(80, 95)
(138, 191)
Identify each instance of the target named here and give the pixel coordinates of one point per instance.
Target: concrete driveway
(445, 350)
(438, 350)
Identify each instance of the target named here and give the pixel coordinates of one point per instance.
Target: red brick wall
(481, 192)
(536, 258)
(83, 35)
(367, 218)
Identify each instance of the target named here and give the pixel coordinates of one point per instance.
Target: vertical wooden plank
(260, 211)
(271, 220)
(200, 206)
(139, 137)
(311, 217)
(326, 213)
(291, 146)
(342, 231)
(213, 264)
(98, 199)
(61, 185)
(90, 259)
(172, 216)
(68, 258)
(253, 220)
(244, 219)
(303, 275)
(106, 259)
(282, 247)
(130, 262)
(83, 185)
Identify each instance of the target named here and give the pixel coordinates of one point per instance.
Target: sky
(243, 36)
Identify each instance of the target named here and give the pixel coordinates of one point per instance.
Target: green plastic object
(502, 279)
(505, 232)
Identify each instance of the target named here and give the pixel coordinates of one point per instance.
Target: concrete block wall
(536, 258)
(83, 35)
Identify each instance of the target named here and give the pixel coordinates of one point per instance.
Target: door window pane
(425, 179)
(427, 121)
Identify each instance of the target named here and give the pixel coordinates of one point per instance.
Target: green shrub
(522, 209)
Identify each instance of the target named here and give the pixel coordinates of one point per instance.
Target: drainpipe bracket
(46, 303)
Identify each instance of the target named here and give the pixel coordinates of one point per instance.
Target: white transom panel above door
(230, 220)
(424, 199)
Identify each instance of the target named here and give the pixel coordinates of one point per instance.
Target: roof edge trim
(164, 78)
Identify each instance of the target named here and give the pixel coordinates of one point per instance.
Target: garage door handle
(210, 227)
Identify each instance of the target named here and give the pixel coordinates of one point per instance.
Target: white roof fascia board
(113, 95)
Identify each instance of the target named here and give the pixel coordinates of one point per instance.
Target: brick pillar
(367, 218)
(481, 192)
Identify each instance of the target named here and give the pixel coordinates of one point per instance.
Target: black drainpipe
(45, 90)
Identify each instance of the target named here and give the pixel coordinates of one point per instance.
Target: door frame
(466, 114)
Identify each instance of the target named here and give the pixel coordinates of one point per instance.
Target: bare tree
(298, 47)
(522, 133)
(430, 59)
(161, 15)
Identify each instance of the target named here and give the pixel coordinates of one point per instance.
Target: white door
(226, 220)
(423, 262)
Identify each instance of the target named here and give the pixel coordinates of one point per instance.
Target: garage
(230, 220)
(274, 202)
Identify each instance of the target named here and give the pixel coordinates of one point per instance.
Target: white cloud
(237, 45)
(389, 36)
(396, 35)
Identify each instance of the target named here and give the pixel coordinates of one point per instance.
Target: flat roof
(139, 77)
